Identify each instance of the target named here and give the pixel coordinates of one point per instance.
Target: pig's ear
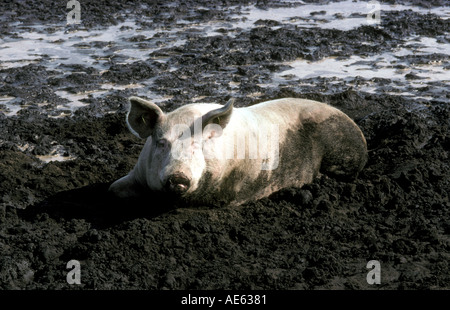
(220, 116)
(143, 117)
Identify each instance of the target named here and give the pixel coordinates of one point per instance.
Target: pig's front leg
(126, 187)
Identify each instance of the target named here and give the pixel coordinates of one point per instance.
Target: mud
(63, 141)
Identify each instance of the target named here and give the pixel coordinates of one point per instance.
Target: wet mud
(63, 141)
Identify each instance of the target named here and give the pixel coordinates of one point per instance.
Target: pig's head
(174, 158)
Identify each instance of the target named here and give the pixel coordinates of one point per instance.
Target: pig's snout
(178, 183)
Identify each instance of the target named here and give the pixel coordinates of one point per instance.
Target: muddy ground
(318, 237)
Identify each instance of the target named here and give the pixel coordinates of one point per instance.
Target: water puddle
(58, 153)
(397, 69)
(7, 106)
(343, 15)
(132, 41)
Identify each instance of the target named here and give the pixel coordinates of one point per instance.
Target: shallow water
(54, 46)
(343, 15)
(384, 66)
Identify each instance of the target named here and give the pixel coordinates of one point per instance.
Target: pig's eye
(161, 143)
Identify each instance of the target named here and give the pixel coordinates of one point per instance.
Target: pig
(207, 153)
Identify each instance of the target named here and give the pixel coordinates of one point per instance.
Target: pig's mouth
(177, 184)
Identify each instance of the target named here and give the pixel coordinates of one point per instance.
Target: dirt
(320, 236)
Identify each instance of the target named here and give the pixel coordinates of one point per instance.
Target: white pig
(209, 153)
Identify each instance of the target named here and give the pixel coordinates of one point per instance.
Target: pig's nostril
(178, 183)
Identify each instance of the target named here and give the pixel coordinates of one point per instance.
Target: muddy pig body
(209, 153)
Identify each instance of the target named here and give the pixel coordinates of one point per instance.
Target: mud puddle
(416, 62)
